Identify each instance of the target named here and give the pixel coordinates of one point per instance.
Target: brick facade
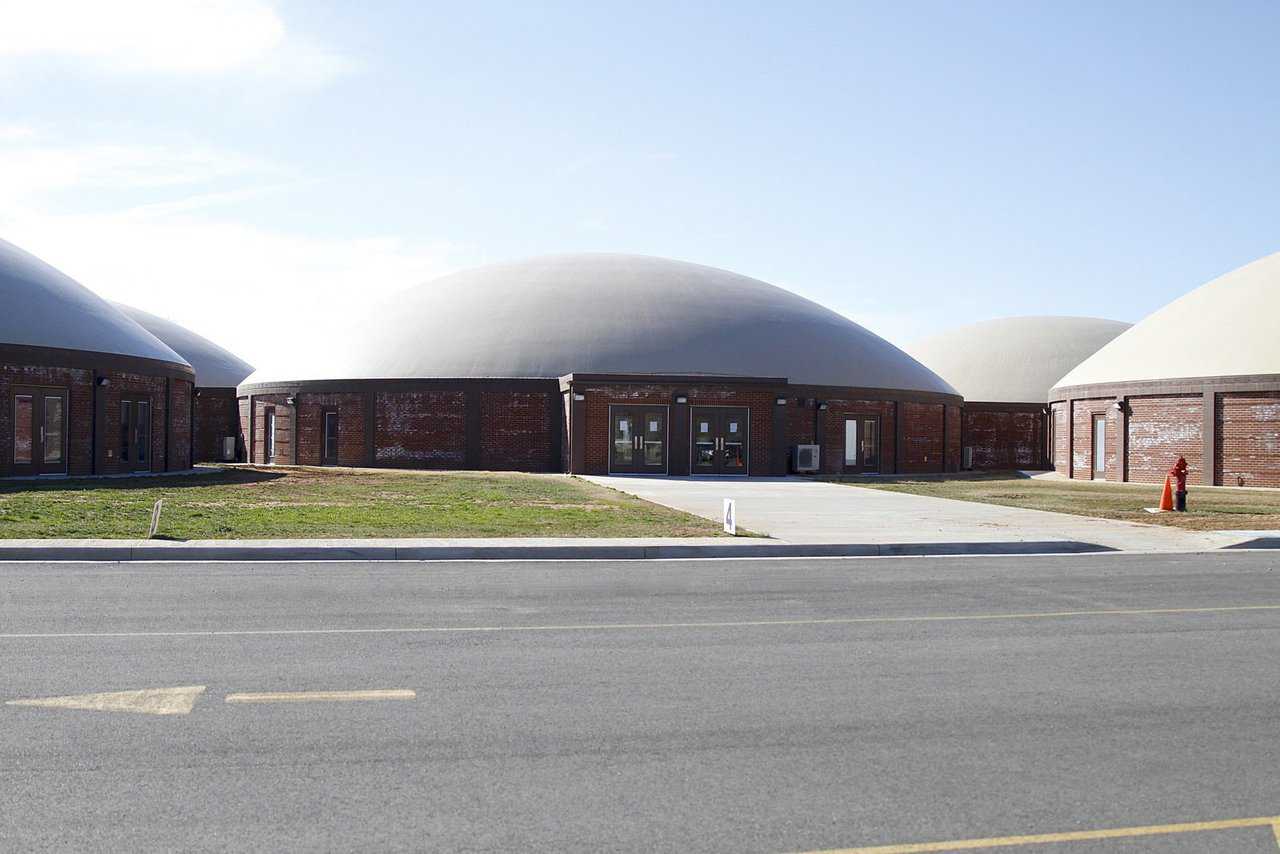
(534, 425)
(923, 425)
(1004, 437)
(516, 431)
(1061, 432)
(92, 416)
(1229, 437)
(1160, 430)
(216, 416)
(421, 429)
(1248, 439)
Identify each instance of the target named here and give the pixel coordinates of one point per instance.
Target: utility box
(806, 458)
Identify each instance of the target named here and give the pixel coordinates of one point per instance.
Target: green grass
(245, 503)
(1208, 509)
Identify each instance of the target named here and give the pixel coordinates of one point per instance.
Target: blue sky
(910, 165)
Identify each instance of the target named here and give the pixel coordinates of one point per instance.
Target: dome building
(214, 415)
(600, 363)
(1200, 378)
(85, 390)
(1004, 368)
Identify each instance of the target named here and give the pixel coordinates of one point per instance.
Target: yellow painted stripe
(320, 696)
(596, 627)
(1070, 836)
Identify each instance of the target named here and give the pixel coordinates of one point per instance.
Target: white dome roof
(601, 313)
(46, 308)
(215, 366)
(1013, 359)
(1225, 328)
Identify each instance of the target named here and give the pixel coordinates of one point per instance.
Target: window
(331, 437)
(851, 443)
(126, 429)
(144, 431)
(23, 434)
(52, 429)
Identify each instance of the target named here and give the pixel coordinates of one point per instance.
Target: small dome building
(1004, 369)
(85, 389)
(1200, 378)
(597, 363)
(214, 415)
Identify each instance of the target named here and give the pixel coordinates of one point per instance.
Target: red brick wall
(180, 438)
(422, 429)
(79, 386)
(759, 400)
(1082, 449)
(1160, 430)
(922, 438)
(284, 429)
(1248, 439)
(955, 427)
(1061, 429)
(351, 432)
(838, 411)
(216, 416)
(515, 431)
(128, 386)
(1003, 438)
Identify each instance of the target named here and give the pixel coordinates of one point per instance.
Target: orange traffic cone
(1166, 497)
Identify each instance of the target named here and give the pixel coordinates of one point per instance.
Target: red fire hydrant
(1179, 475)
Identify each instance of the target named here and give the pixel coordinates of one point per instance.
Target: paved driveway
(800, 510)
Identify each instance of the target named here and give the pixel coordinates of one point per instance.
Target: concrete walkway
(800, 510)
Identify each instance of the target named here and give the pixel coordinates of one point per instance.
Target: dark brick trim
(1187, 385)
(60, 357)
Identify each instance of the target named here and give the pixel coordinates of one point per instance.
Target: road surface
(728, 705)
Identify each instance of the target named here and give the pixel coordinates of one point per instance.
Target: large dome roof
(215, 366)
(46, 308)
(603, 313)
(1225, 328)
(1013, 359)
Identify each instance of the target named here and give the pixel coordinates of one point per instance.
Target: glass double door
(862, 444)
(638, 439)
(39, 431)
(718, 440)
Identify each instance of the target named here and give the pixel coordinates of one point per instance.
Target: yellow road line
(320, 696)
(1070, 836)
(592, 627)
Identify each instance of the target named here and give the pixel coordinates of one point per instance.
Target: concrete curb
(182, 552)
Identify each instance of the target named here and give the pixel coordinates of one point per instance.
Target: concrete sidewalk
(801, 510)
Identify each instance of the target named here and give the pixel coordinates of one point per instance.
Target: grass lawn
(244, 503)
(1207, 509)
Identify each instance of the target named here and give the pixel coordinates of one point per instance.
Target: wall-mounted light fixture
(579, 397)
(680, 398)
(822, 404)
(292, 400)
(782, 401)
(103, 382)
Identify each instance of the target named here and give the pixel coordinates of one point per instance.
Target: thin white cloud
(158, 230)
(267, 295)
(32, 165)
(193, 37)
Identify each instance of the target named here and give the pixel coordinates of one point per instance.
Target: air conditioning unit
(968, 457)
(805, 458)
(228, 449)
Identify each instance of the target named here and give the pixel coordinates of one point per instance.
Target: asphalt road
(767, 705)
